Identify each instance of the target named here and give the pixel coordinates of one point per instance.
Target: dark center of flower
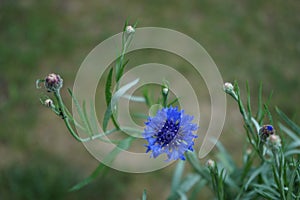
(166, 134)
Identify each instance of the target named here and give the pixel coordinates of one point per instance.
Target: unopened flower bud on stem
(228, 86)
(165, 90)
(274, 141)
(129, 30)
(53, 82)
(211, 164)
(229, 89)
(265, 132)
(48, 103)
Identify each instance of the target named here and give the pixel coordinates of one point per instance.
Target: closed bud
(248, 151)
(228, 87)
(265, 132)
(211, 164)
(48, 103)
(165, 90)
(274, 141)
(129, 30)
(53, 82)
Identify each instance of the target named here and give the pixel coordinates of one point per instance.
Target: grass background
(249, 41)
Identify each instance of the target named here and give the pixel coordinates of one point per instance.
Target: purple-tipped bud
(53, 82)
(265, 132)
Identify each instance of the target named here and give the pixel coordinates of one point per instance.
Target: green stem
(99, 136)
(66, 119)
(279, 168)
(65, 116)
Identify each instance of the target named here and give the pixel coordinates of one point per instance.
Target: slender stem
(66, 119)
(99, 136)
(65, 116)
(278, 167)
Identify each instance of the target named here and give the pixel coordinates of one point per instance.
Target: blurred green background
(249, 41)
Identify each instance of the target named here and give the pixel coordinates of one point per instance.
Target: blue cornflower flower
(170, 132)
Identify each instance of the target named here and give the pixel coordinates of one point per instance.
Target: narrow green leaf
(289, 122)
(144, 197)
(135, 24)
(250, 195)
(197, 189)
(177, 175)
(82, 117)
(108, 84)
(182, 195)
(93, 117)
(122, 91)
(133, 131)
(255, 173)
(220, 184)
(37, 83)
(260, 111)
(266, 106)
(247, 166)
(292, 152)
(121, 70)
(267, 110)
(194, 161)
(89, 179)
(294, 145)
(147, 97)
(114, 100)
(140, 116)
(230, 182)
(125, 25)
(292, 180)
(123, 145)
(173, 102)
(135, 98)
(289, 132)
(189, 182)
(107, 115)
(265, 194)
(248, 100)
(225, 157)
(266, 191)
(86, 120)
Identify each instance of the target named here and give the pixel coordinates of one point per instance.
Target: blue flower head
(170, 132)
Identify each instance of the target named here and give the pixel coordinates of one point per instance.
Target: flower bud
(211, 164)
(248, 151)
(165, 90)
(48, 103)
(53, 82)
(228, 87)
(129, 30)
(265, 132)
(274, 141)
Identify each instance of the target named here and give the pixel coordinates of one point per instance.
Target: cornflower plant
(270, 166)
